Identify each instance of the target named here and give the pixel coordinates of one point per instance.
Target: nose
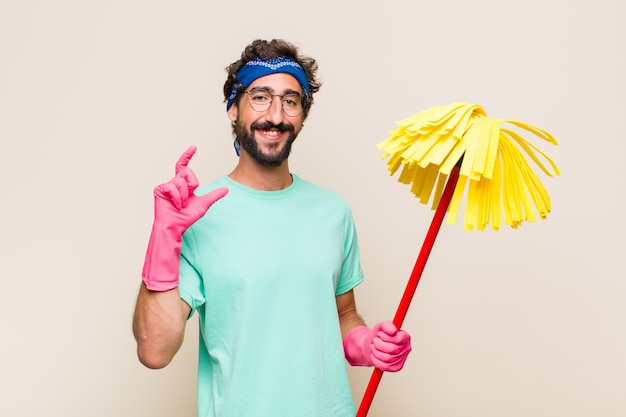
(275, 113)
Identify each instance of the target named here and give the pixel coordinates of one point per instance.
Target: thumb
(207, 200)
(387, 327)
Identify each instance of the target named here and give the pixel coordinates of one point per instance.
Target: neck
(260, 177)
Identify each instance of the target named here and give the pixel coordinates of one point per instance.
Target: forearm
(159, 326)
(348, 321)
(346, 310)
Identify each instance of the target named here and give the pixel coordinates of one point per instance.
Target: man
(270, 268)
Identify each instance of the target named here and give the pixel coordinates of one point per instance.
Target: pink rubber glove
(176, 208)
(383, 346)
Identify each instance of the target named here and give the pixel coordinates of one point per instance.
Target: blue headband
(258, 68)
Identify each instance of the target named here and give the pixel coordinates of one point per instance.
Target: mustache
(282, 127)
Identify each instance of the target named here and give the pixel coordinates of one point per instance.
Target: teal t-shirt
(262, 269)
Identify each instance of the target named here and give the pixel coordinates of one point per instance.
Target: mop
(447, 149)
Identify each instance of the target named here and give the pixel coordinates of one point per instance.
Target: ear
(232, 112)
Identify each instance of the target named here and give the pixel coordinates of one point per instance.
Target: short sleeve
(190, 282)
(351, 273)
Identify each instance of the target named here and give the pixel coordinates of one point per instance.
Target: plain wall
(98, 100)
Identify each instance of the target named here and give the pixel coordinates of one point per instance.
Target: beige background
(98, 99)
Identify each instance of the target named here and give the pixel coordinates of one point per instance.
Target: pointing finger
(185, 158)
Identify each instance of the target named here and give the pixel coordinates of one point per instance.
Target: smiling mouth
(273, 133)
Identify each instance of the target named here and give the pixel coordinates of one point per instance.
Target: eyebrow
(270, 90)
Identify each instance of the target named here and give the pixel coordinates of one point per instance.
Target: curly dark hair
(267, 50)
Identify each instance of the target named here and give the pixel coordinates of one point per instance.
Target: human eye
(291, 100)
(260, 96)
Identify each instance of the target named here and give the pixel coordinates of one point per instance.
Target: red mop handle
(414, 279)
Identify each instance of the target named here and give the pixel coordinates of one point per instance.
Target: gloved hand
(383, 346)
(176, 207)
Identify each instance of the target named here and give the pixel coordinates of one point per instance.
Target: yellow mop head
(429, 144)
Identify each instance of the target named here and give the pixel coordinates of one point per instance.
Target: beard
(277, 155)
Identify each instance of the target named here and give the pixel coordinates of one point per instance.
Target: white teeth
(271, 132)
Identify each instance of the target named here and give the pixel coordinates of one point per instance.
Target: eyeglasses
(260, 100)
